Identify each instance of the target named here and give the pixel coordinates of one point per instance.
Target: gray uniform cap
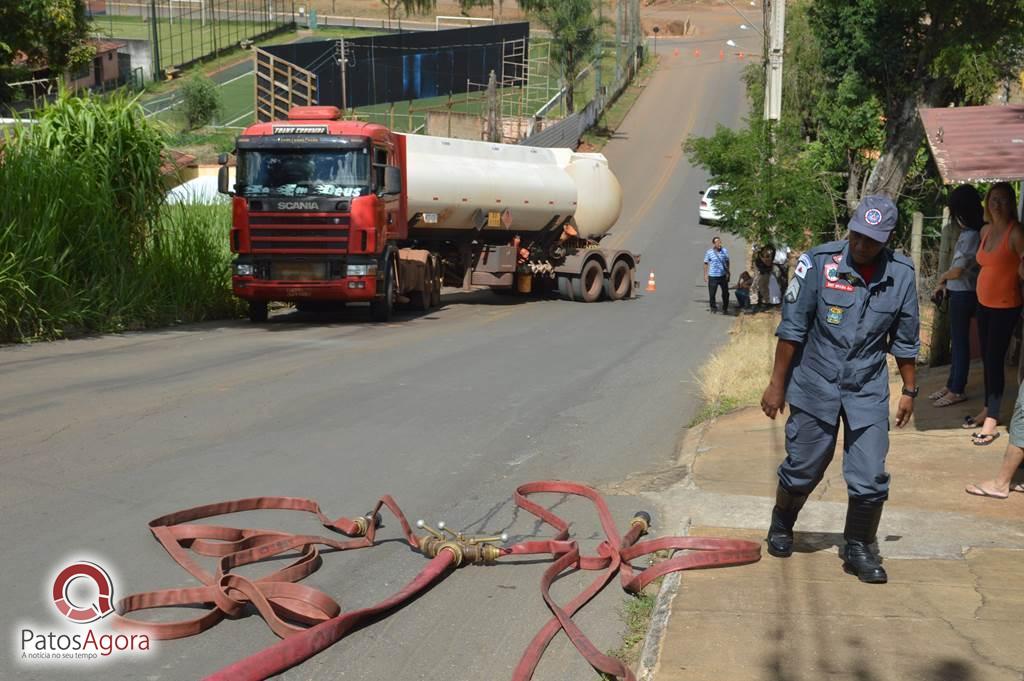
(875, 217)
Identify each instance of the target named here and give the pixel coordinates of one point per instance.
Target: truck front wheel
(382, 309)
(258, 311)
(435, 291)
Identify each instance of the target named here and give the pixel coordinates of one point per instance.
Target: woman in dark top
(958, 284)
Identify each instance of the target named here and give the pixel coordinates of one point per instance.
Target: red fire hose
(282, 602)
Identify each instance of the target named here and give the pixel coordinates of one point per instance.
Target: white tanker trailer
(454, 179)
(331, 210)
(544, 209)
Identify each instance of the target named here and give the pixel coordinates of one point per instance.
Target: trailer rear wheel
(619, 283)
(258, 311)
(590, 284)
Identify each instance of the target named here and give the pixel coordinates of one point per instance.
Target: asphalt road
(447, 412)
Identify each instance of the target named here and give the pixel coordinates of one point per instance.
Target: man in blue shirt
(716, 273)
(849, 303)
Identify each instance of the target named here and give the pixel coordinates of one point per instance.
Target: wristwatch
(911, 392)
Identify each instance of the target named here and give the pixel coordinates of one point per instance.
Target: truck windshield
(307, 172)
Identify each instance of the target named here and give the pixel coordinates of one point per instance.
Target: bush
(86, 241)
(201, 101)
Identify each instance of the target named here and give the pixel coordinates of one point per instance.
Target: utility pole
(342, 59)
(156, 40)
(618, 42)
(600, 49)
(775, 37)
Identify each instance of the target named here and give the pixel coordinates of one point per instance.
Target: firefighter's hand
(773, 401)
(904, 411)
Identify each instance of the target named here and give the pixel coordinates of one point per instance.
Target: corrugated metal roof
(976, 143)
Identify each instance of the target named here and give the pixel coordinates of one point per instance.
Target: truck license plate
(298, 271)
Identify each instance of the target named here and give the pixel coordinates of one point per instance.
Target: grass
(87, 243)
(599, 135)
(637, 617)
(736, 375)
(186, 40)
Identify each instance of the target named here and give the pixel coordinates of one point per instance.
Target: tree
(575, 35)
(779, 203)
(466, 5)
(788, 200)
(913, 53)
(44, 31)
(410, 6)
(200, 102)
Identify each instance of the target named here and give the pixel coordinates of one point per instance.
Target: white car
(201, 190)
(707, 211)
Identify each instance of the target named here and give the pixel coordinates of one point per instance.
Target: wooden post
(940, 351)
(916, 232)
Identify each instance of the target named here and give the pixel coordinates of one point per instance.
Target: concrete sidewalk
(953, 609)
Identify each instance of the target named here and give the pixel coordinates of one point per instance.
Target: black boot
(859, 557)
(780, 534)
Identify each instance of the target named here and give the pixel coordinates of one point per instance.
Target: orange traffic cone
(651, 286)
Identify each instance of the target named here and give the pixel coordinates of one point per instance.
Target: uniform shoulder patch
(793, 290)
(803, 265)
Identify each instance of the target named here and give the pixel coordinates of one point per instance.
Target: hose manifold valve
(475, 550)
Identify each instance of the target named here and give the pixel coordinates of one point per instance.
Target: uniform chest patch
(832, 279)
(835, 315)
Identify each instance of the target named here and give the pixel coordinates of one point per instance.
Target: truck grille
(325, 234)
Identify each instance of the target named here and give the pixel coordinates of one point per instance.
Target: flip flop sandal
(1019, 487)
(969, 423)
(984, 439)
(977, 491)
(938, 393)
(949, 399)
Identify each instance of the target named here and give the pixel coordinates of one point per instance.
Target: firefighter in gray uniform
(849, 303)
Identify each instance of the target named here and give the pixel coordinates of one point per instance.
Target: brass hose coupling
(469, 550)
(363, 523)
(643, 519)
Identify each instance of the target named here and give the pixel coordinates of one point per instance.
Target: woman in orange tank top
(999, 300)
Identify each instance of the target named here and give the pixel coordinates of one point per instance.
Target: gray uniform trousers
(811, 444)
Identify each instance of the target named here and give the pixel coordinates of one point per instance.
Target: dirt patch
(688, 19)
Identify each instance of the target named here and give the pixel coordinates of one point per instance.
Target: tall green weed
(86, 241)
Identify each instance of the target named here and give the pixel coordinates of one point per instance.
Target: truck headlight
(244, 270)
(361, 270)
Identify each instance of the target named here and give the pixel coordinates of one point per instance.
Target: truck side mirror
(222, 181)
(392, 181)
(222, 159)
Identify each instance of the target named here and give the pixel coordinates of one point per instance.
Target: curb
(651, 651)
